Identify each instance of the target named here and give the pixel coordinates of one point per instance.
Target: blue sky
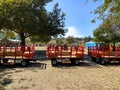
(78, 17)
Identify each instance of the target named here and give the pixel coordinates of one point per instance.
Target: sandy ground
(37, 76)
(86, 76)
(40, 48)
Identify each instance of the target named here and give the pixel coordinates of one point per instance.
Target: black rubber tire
(93, 59)
(54, 62)
(102, 62)
(72, 61)
(76, 62)
(24, 63)
(97, 60)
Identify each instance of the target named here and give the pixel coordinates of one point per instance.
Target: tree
(42, 39)
(56, 20)
(87, 39)
(30, 18)
(59, 41)
(107, 33)
(69, 40)
(109, 8)
(109, 30)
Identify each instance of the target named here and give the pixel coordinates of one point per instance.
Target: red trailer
(65, 54)
(16, 54)
(104, 54)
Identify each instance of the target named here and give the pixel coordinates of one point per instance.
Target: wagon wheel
(72, 61)
(93, 59)
(53, 62)
(102, 62)
(5, 60)
(97, 60)
(24, 63)
(76, 62)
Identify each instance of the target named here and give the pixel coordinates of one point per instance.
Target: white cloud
(72, 31)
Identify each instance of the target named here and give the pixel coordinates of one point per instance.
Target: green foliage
(109, 8)
(102, 35)
(69, 40)
(107, 33)
(87, 39)
(44, 39)
(59, 41)
(9, 34)
(30, 18)
(93, 21)
(56, 21)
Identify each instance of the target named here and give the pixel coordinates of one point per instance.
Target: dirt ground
(42, 76)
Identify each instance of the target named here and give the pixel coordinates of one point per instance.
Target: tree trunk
(22, 38)
(113, 46)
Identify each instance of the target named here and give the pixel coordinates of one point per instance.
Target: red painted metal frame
(52, 51)
(26, 52)
(104, 52)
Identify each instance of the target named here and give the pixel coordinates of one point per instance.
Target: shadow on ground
(30, 65)
(112, 65)
(85, 64)
(4, 79)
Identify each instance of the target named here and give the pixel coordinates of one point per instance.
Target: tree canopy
(59, 41)
(107, 32)
(30, 18)
(109, 9)
(9, 34)
(88, 38)
(70, 40)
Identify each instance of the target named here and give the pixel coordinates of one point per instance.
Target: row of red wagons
(64, 54)
(99, 54)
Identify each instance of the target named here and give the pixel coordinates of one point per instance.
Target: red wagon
(15, 54)
(104, 54)
(63, 54)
